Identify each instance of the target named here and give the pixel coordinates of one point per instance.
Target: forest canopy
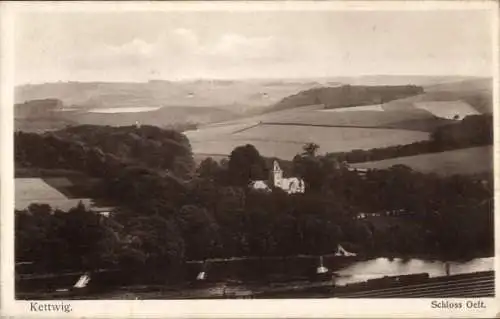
(169, 212)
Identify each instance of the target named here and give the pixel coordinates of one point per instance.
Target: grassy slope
(464, 161)
(475, 92)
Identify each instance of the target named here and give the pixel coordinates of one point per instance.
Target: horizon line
(207, 79)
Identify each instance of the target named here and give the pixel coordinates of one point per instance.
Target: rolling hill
(474, 160)
(40, 115)
(347, 96)
(159, 103)
(281, 133)
(465, 97)
(161, 117)
(51, 114)
(237, 96)
(232, 113)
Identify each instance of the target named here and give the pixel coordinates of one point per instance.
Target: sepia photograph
(258, 153)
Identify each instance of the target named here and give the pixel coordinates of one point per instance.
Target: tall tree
(310, 149)
(246, 164)
(208, 169)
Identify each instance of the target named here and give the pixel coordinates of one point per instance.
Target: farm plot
(285, 141)
(473, 160)
(36, 190)
(372, 118)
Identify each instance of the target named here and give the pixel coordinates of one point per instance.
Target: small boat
(201, 275)
(83, 281)
(321, 268)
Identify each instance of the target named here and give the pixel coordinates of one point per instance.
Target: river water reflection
(380, 267)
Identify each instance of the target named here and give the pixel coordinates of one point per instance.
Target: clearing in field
(475, 160)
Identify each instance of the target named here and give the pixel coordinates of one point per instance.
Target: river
(219, 284)
(380, 267)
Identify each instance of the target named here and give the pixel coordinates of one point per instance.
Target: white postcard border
(410, 308)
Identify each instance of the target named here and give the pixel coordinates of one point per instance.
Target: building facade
(290, 185)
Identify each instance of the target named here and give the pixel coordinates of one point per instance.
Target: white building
(290, 185)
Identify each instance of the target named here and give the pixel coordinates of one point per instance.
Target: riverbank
(239, 281)
(360, 255)
(473, 285)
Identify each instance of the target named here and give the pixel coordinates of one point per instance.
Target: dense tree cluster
(473, 130)
(170, 215)
(57, 240)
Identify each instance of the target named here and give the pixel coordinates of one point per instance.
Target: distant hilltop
(238, 95)
(348, 95)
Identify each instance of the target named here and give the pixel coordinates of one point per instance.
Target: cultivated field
(283, 133)
(353, 118)
(465, 161)
(59, 192)
(35, 188)
(286, 141)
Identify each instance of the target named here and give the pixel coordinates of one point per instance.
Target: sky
(140, 46)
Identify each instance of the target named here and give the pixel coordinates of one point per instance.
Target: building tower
(277, 175)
